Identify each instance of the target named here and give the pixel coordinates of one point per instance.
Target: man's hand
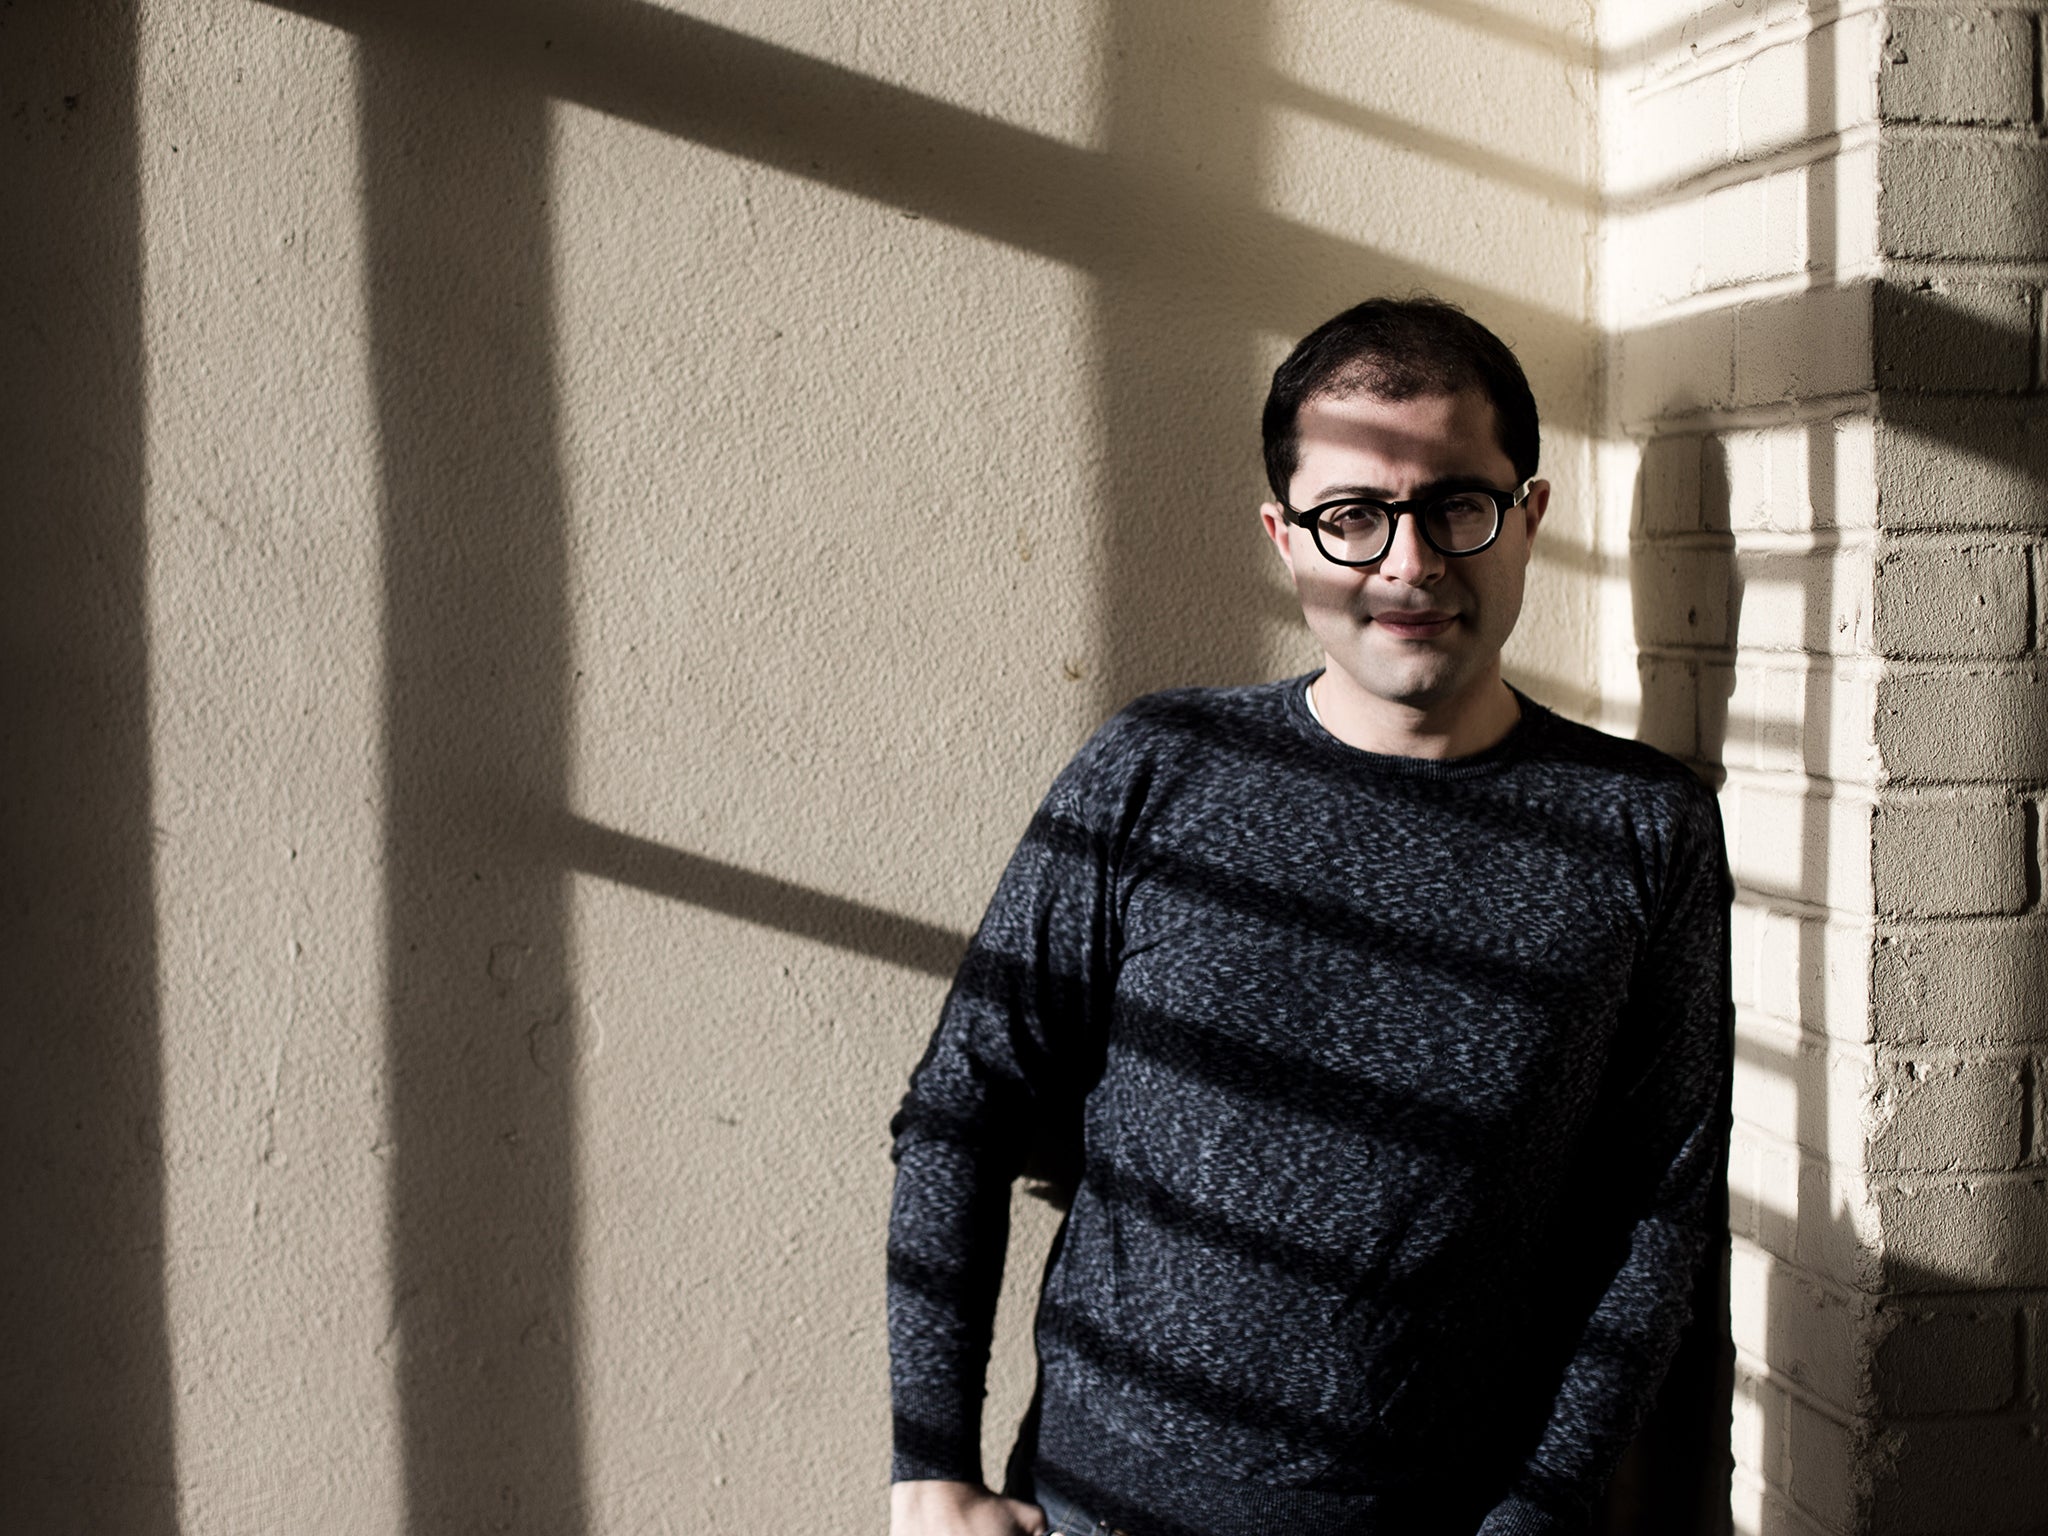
(934, 1508)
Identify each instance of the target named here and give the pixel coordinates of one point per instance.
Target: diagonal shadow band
(1107, 214)
(591, 849)
(1465, 155)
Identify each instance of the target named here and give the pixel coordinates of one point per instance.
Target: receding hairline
(1386, 376)
(1337, 388)
(1397, 349)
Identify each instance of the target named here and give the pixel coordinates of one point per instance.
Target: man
(1386, 1016)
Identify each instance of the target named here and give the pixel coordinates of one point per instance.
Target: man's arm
(1018, 1044)
(1669, 1134)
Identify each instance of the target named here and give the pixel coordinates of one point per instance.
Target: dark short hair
(1396, 349)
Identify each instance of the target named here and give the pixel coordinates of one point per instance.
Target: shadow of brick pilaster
(85, 1432)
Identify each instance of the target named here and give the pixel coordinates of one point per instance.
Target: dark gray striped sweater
(1396, 1092)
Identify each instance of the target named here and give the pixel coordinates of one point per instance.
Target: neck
(1470, 722)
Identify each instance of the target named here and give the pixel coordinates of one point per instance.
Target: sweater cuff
(926, 1451)
(1518, 1517)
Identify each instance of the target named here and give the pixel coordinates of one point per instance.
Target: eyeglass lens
(1361, 531)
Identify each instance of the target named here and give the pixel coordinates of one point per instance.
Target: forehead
(1394, 445)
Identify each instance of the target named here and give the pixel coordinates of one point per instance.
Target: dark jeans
(1070, 1519)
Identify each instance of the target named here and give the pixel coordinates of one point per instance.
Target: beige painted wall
(606, 519)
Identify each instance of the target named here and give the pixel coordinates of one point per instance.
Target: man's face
(1417, 629)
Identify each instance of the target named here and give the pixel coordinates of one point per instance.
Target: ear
(1274, 520)
(1535, 506)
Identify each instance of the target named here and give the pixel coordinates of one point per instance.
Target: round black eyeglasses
(1355, 531)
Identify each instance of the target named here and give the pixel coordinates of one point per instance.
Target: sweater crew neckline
(1526, 730)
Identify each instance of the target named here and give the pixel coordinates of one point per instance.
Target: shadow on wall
(1167, 217)
(479, 843)
(476, 634)
(85, 1442)
(1676, 1479)
(1932, 345)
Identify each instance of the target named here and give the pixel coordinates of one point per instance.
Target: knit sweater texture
(1392, 1094)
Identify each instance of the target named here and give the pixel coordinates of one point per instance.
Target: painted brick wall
(1823, 268)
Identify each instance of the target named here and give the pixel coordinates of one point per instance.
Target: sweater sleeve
(1670, 1119)
(1018, 1043)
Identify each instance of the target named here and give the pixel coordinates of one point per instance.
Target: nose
(1409, 558)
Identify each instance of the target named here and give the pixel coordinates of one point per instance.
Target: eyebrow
(1438, 487)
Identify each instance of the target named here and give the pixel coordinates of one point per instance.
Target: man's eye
(1352, 519)
(1465, 501)
(1464, 508)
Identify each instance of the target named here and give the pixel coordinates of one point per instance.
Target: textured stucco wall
(595, 524)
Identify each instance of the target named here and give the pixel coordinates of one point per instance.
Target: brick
(1669, 716)
(1797, 1089)
(2037, 587)
(1933, 1359)
(1804, 715)
(1669, 485)
(1957, 67)
(1953, 600)
(1949, 857)
(1961, 464)
(1947, 724)
(1805, 345)
(1839, 1233)
(1825, 1460)
(1804, 847)
(1676, 131)
(1749, 1300)
(1817, 218)
(1745, 1186)
(1773, 1080)
(1674, 365)
(1842, 202)
(1753, 229)
(1745, 919)
(1763, 479)
(1792, 477)
(1762, 1511)
(1805, 601)
(1761, 1417)
(1984, 1475)
(1964, 984)
(1810, 973)
(1806, 87)
(1764, 1177)
(1850, 1091)
(1782, 942)
(1680, 594)
(1947, 1115)
(1954, 336)
(1766, 717)
(1846, 489)
(1652, 255)
(2034, 1355)
(1651, 23)
(1959, 199)
(1969, 1235)
(2036, 1150)
(1806, 1332)
(1716, 691)
(1753, 1507)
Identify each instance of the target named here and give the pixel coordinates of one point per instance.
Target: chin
(1424, 693)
